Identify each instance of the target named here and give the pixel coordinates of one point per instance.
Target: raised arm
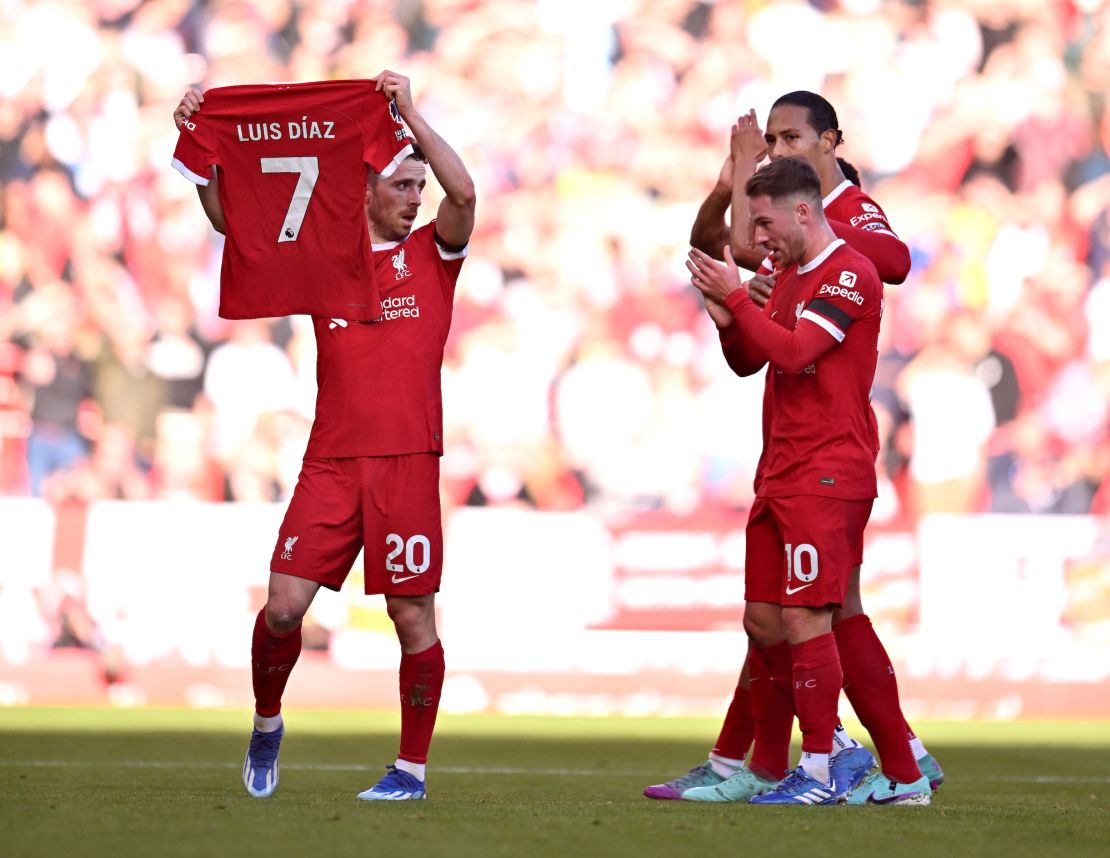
(455, 218)
(710, 232)
(209, 194)
(210, 201)
(748, 149)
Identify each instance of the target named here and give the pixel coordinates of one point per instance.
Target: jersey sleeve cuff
(736, 299)
(195, 178)
(396, 162)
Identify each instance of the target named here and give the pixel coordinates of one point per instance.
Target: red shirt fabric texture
(379, 390)
(292, 165)
(862, 223)
(819, 333)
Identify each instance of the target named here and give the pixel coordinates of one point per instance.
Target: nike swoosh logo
(891, 800)
(397, 580)
(790, 591)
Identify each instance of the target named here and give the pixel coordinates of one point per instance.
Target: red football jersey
(292, 162)
(379, 390)
(819, 432)
(859, 220)
(849, 204)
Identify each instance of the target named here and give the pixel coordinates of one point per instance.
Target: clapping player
(800, 124)
(815, 483)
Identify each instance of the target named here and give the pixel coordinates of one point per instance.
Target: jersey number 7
(308, 171)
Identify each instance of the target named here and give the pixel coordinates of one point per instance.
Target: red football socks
(817, 682)
(872, 689)
(738, 730)
(272, 659)
(421, 681)
(772, 699)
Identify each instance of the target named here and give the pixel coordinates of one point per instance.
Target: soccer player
(370, 478)
(800, 124)
(291, 159)
(815, 483)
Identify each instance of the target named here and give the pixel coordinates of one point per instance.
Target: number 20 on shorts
(417, 551)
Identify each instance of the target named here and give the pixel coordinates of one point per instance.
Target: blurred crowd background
(582, 371)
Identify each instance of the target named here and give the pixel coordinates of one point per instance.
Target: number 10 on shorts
(801, 564)
(417, 556)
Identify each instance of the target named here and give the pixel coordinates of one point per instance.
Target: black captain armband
(831, 312)
(448, 248)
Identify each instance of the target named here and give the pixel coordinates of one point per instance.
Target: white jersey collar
(820, 257)
(835, 192)
(388, 245)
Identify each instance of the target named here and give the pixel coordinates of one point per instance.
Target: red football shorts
(388, 505)
(801, 550)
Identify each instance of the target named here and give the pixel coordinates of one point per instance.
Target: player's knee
(853, 599)
(804, 623)
(848, 610)
(761, 630)
(282, 617)
(853, 605)
(413, 619)
(794, 626)
(409, 619)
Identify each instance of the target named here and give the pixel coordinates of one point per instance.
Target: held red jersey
(379, 390)
(819, 432)
(292, 167)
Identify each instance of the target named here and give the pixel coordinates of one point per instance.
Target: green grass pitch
(166, 783)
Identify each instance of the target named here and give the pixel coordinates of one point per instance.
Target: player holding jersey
(800, 124)
(370, 478)
(288, 161)
(815, 482)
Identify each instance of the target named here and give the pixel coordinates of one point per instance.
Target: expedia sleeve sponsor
(861, 219)
(829, 290)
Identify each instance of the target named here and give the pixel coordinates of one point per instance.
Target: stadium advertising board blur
(985, 616)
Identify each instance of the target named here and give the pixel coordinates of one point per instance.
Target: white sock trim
(842, 741)
(918, 748)
(726, 767)
(415, 769)
(267, 723)
(816, 766)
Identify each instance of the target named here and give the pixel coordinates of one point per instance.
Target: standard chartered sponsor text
(400, 307)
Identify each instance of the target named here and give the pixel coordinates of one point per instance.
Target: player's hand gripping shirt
(819, 332)
(379, 390)
(292, 168)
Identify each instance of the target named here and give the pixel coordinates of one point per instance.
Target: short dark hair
(819, 113)
(784, 178)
